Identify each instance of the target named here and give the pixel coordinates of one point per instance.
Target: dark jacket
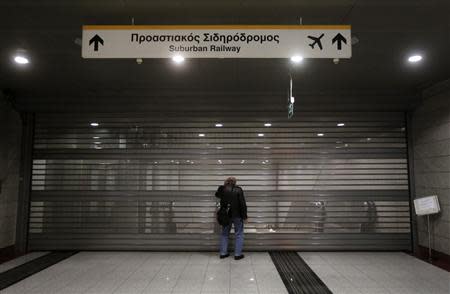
(235, 196)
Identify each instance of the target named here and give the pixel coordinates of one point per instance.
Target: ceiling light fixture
(94, 124)
(201, 135)
(219, 125)
(340, 124)
(267, 124)
(415, 58)
(21, 59)
(178, 59)
(320, 134)
(296, 58)
(261, 135)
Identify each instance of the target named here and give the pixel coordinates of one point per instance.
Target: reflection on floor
(153, 272)
(377, 272)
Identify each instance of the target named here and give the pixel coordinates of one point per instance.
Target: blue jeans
(239, 233)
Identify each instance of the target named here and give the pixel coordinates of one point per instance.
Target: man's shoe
(239, 257)
(224, 256)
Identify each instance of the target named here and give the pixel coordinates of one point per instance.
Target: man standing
(233, 195)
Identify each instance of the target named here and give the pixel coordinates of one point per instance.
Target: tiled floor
(377, 272)
(153, 272)
(20, 260)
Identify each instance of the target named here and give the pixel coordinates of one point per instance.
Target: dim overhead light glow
(415, 58)
(296, 58)
(178, 59)
(261, 135)
(320, 134)
(94, 124)
(201, 135)
(21, 59)
(219, 125)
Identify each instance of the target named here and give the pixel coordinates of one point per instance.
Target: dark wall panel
(147, 181)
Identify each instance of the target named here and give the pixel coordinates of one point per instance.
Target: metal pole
(429, 238)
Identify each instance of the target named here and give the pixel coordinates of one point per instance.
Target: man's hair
(230, 181)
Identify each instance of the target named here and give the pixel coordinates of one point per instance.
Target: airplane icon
(316, 41)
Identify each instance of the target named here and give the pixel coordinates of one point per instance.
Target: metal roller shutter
(147, 181)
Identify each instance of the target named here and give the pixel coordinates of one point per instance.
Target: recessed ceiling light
(415, 58)
(219, 125)
(296, 58)
(340, 124)
(201, 135)
(261, 135)
(267, 124)
(320, 134)
(21, 59)
(94, 124)
(95, 137)
(178, 59)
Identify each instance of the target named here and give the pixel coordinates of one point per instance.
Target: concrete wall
(10, 150)
(431, 137)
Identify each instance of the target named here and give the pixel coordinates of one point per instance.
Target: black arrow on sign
(96, 39)
(339, 39)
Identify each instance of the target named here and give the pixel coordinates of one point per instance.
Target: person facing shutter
(232, 194)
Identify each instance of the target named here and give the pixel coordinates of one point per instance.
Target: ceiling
(388, 31)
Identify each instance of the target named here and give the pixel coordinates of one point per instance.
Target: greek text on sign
(218, 41)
